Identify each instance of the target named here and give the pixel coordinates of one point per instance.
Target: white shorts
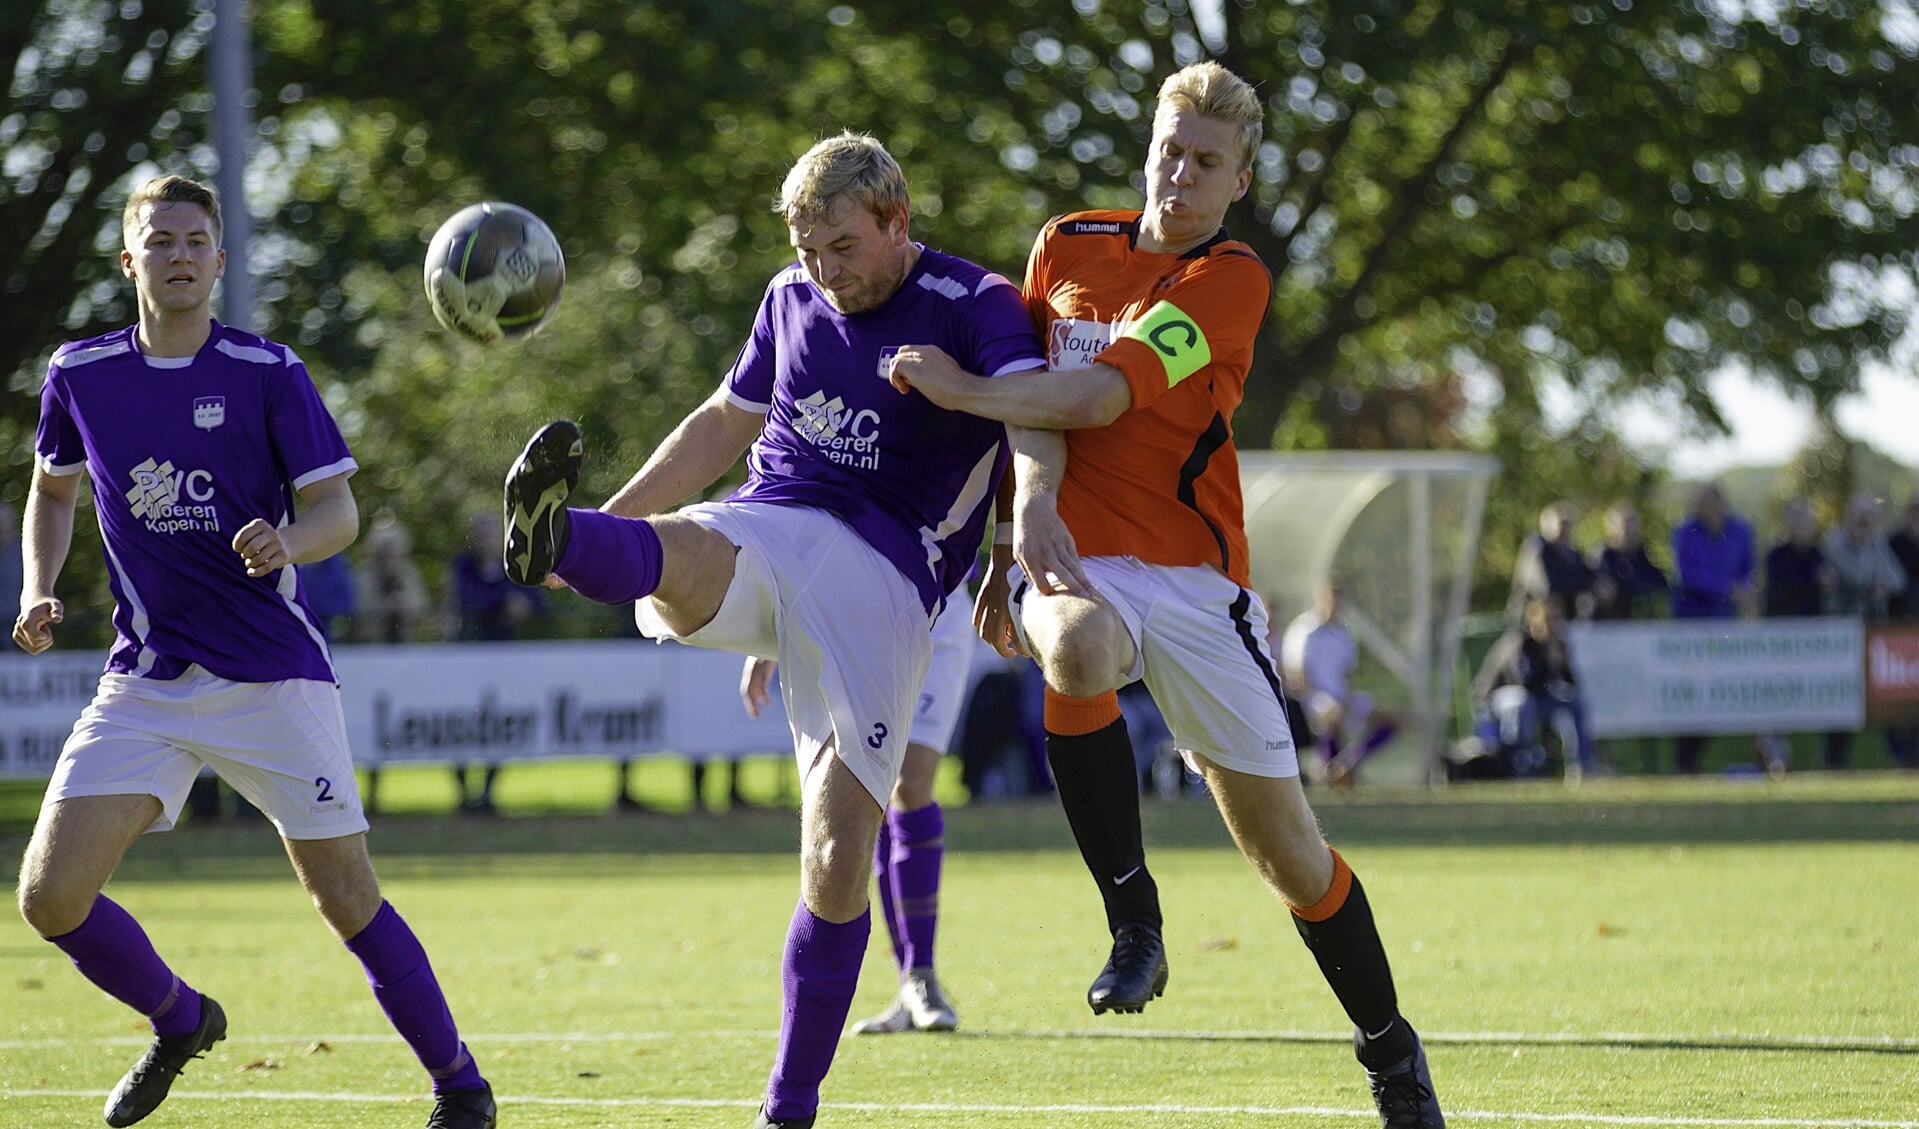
(849, 632)
(282, 745)
(949, 676)
(1203, 656)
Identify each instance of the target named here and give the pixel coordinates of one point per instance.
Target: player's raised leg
(826, 940)
(684, 566)
(76, 844)
(1084, 649)
(1275, 829)
(338, 875)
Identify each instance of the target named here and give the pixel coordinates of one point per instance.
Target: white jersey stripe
(140, 625)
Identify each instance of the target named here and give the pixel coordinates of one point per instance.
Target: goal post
(1401, 530)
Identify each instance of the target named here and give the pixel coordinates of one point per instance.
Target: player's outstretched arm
(992, 610)
(45, 538)
(1041, 542)
(328, 522)
(1065, 400)
(704, 446)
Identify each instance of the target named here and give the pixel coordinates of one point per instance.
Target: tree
(96, 90)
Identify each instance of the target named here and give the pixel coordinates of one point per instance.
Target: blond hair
(1209, 90)
(852, 166)
(171, 190)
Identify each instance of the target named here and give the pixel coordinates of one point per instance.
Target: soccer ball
(494, 273)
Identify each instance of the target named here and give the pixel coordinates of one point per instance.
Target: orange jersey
(1161, 482)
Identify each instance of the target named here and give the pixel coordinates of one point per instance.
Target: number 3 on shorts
(879, 736)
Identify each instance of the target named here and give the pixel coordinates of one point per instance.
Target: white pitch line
(1716, 1040)
(1491, 1116)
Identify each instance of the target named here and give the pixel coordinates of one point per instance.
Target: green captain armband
(1182, 348)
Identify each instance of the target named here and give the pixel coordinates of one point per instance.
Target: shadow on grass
(1672, 813)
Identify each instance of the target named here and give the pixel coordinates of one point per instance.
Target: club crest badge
(209, 412)
(887, 353)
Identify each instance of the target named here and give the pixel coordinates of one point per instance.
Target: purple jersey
(914, 480)
(183, 452)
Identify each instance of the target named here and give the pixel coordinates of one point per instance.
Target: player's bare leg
(76, 844)
(1275, 828)
(338, 875)
(1084, 650)
(827, 938)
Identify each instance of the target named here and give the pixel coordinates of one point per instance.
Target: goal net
(1401, 531)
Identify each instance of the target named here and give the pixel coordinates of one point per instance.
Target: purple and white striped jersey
(183, 452)
(914, 480)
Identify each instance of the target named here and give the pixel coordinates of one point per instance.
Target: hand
(1046, 552)
(261, 546)
(756, 685)
(34, 629)
(927, 368)
(992, 610)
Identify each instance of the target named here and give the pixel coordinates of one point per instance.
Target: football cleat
(146, 1085)
(892, 1021)
(1134, 974)
(536, 489)
(1404, 1091)
(462, 1109)
(925, 1003)
(767, 1121)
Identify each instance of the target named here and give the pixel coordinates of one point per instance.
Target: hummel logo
(1121, 880)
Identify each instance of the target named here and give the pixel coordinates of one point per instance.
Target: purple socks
(820, 970)
(610, 560)
(918, 848)
(403, 982)
(111, 950)
(883, 882)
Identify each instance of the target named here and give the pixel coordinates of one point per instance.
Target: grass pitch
(1630, 954)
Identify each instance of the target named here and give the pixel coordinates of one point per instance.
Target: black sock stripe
(1244, 628)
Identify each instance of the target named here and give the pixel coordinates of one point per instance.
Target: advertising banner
(461, 702)
(1668, 677)
(1892, 676)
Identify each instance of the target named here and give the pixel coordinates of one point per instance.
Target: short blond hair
(1211, 91)
(171, 190)
(852, 166)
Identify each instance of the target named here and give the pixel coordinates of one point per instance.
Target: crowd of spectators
(1530, 709)
(1531, 716)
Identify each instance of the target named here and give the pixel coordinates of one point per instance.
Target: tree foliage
(1614, 197)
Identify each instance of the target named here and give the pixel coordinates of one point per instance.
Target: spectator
(1625, 581)
(1550, 566)
(1866, 573)
(1866, 576)
(1904, 543)
(1531, 690)
(392, 597)
(1712, 553)
(1318, 654)
(330, 591)
(1797, 577)
(12, 564)
(486, 607)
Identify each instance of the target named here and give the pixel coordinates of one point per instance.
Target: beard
(867, 295)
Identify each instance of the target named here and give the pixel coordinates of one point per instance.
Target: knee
(53, 912)
(1083, 663)
(346, 906)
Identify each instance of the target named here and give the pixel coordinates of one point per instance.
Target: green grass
(1633, 952)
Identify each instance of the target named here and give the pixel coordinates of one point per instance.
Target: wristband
(1002, 533)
